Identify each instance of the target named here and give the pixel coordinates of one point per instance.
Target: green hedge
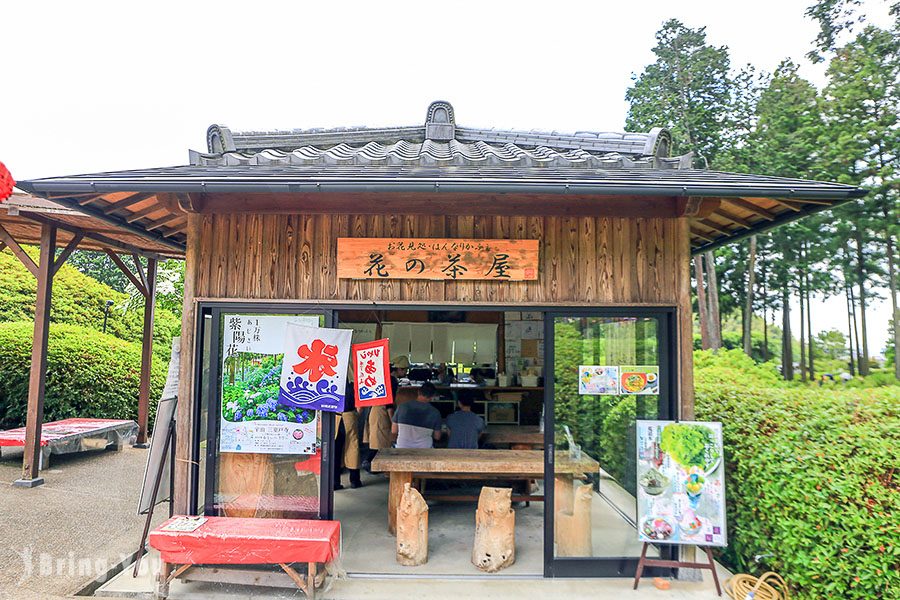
(80, 300)
(813, 480)
(89, 374)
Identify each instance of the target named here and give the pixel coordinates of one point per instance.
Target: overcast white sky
(97, 86)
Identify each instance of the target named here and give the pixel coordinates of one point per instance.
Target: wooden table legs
(398, 479)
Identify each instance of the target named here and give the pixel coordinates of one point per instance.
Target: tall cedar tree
(687, 90)
(862, 102)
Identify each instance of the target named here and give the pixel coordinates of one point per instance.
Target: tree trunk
(855, 331)
(802, 295)
(701, 303)
(715, 323)
(495, 530)
(574, 537)
(765, 303)
(748, 307)
(850, 328)
(787, 350)
(809, 332)
(861, 279)
(892, 284)
(412, 528)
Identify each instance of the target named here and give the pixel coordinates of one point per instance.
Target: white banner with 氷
(681, 483)
(314, 372)
(251, 418)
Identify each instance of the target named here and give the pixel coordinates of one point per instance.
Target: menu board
(680, 483)
(639, 381)
(598, 380)
(252, 419)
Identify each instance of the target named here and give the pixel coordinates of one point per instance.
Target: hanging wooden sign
(437, 258)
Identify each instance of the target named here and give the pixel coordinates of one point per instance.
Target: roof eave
(231, 184)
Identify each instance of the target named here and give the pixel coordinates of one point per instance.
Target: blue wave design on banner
(376, 392)
(300, 393)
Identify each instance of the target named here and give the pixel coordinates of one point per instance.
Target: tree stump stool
(495, 530)
(573, 527)
(412, 528)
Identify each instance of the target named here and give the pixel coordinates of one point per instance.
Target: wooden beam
(175, 230)
(140, 270)
(714, 226)
(37, 379)
(124, 268)
(733, 218)
(694, 206)
(89, 200)
(16, 249)
(787, 204)
(751, 207)
(701, 235)
(138, 215)
(102, 239)
(125, 203)
(163, 221)
(146, 352)
(70, 247)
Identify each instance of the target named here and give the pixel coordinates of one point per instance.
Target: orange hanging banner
(437, 258)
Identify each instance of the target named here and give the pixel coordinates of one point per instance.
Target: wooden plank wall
(583, 259)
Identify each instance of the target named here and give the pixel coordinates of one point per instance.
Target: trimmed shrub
(89, 374)
(812, 479)
(81, 300)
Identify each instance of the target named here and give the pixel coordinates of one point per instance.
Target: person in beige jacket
(378, 425)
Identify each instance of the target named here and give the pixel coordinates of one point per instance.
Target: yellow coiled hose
(768, 586)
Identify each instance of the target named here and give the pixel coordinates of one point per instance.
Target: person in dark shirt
(465, 426)
(346, 441)
(417, 424)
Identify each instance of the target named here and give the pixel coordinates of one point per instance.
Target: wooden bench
(74, 435)
(246, 541)
(448, 463)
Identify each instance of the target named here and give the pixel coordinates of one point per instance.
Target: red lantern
(6, 183)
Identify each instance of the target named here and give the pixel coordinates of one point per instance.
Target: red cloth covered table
(74, 435)
(240, 541)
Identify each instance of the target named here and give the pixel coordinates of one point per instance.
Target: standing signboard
(680, 481)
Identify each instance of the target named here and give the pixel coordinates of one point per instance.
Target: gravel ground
(57, 538)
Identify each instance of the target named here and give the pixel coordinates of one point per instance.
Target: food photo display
(680, 483)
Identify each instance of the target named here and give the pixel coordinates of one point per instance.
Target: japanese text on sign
(437, 258)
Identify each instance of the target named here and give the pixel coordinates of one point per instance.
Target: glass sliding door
(262, 458)
(606, 369)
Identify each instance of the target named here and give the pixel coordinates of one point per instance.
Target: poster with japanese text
(680, 483)
(639, 381)
(371, 368)
(598, 380)
(314, 371)
(252, 420)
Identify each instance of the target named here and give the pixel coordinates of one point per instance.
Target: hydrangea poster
(314, 372)
(252, 420)
(680, 481)
(371, 368)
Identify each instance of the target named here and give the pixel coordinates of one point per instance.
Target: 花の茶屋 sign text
(437, 258)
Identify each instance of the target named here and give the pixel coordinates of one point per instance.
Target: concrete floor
(370, 549)
(421, 588)
(57, 538)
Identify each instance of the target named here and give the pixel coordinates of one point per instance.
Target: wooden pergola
(58, 231)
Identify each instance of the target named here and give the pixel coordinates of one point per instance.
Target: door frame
(215, 310)
(668, 335)
(667, 343)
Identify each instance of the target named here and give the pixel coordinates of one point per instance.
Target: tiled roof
(439, 142)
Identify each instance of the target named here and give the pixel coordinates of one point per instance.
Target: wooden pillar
(184, 438)
(685, 321)
(38, 376)
(146, 352)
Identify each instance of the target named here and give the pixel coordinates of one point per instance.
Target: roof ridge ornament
(219, 139)
(440, 123)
